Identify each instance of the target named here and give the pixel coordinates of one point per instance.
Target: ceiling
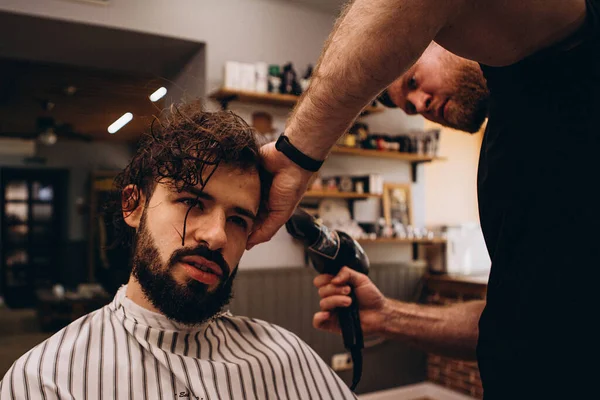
(113, 70)
(85, 45)
(100, 98)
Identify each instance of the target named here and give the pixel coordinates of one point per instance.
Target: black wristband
(284, 145)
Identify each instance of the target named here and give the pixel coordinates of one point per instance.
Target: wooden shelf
(339, 195)
(370, 110)
(224, 96)
(274, 99)
(410, 157)
(403, 241)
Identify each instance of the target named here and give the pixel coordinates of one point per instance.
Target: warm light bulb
(48, 137)
(158, 94)
(121, 122)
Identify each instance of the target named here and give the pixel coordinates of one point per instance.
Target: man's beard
(188, 303)
(471, 98)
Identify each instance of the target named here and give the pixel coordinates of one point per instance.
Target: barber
(534, 335)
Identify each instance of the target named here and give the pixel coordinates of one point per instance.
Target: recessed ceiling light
(121, 122)
(158, 94)
(70, 90)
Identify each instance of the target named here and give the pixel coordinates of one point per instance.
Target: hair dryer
(329, 251)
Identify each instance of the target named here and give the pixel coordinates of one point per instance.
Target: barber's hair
(181, 146)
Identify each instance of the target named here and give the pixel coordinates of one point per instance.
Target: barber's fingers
(348, 276)
(321, 280)
(331, 290)
(326, 321)
(288, 184)
(333, 302)
(344, 277)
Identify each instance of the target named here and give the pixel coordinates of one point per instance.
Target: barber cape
(123, 351)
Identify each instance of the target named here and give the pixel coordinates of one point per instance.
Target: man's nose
(421, 100)
(212, 231)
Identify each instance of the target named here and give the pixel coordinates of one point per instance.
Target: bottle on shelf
(385, 230)
(289, 81)
(347, 140)
(305, 81)
(274, 79)
(360, 130)
(262, 77)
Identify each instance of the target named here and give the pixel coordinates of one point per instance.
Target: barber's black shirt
(538, 184)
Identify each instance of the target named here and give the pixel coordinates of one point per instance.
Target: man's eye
(241, 222)
(412, 83)
(191, 202)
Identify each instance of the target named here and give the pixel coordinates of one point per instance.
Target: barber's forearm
(373, 43)
(450, 331)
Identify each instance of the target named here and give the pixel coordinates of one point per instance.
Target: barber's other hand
(335, 292)
(289, 184)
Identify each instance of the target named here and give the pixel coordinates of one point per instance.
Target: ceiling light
(48, 137)
(48, 105)
(158, 94)
(70, 90)
(121, 122)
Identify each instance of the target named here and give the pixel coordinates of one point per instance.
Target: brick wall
(457, 375)
(460, 376)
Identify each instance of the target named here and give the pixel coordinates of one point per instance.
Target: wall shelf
(225, 96)
(413, 242)
(403, 241)
(339, 195)
(413, 159)
(396, 155)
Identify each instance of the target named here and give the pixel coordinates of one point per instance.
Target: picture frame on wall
(397, 203)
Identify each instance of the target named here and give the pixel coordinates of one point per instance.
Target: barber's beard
(469, 104)
(189, 303)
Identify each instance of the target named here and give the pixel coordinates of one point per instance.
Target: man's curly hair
(182, 149)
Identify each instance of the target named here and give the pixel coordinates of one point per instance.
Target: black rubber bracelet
(284, 145)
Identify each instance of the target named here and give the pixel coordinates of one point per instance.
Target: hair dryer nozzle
(301, 225)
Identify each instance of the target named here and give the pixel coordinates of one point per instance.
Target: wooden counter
(457, 286)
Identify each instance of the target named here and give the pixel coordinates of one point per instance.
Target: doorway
(33, 226)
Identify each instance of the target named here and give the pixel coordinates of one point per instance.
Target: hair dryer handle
(352, 334)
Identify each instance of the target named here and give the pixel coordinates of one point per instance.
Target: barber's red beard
(468, 107)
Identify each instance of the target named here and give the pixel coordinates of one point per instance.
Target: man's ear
(133, 203)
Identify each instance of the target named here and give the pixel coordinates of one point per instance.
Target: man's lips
(199, 275)
(441, 111)
(202, 263)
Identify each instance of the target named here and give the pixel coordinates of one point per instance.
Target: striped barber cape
(123, 351)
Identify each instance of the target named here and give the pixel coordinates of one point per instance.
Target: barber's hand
(335, 292)
(289, 184)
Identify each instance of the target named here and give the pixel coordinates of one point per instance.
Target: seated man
(189, 200)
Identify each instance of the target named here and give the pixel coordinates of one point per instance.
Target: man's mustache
(201, 251)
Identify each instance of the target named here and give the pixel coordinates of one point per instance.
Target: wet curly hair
(182, 149)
